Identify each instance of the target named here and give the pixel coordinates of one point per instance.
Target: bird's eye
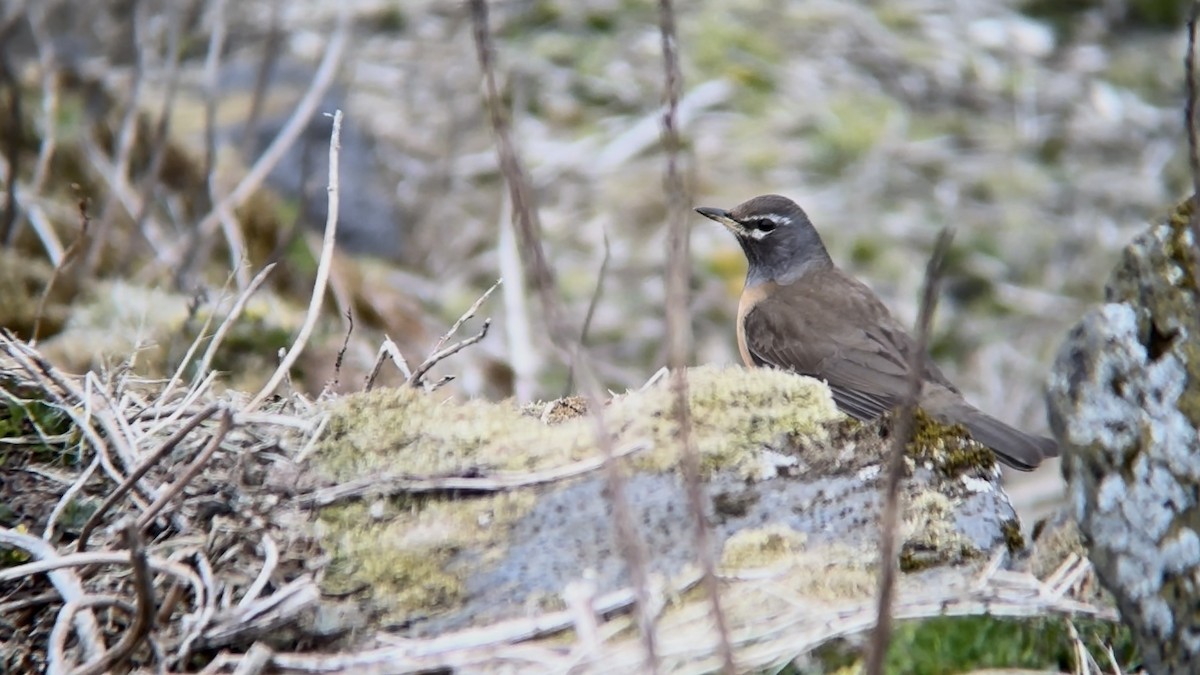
(764, 224)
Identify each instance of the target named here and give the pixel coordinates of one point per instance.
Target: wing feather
(851, 341)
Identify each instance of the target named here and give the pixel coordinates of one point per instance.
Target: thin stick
(152, 179)
(591, 309)
(322, 280)
(679, 333)
(65, 581)
(1191, 122)
(466, 316)
(529, 227)
(235, 313)
(127, 135)
(440, 352)
(536, 267)
(49, 74)
(188, 473)
(69, 257)
(341, 355)
(396, 485)
(143, 618)
(387, 349)
(522, 355)
(12, 145)
(418, 378)
(68, 496)
(140, 471)
(902, 434)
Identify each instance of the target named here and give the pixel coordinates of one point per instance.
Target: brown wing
(831, 327)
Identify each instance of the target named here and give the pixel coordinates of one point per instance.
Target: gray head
(780, 242)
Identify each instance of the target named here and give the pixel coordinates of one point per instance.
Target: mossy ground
(737, 415)
(949, 645)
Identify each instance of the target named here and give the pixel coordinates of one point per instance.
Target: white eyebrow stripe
(779, 220)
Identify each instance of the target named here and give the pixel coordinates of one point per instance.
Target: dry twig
(1191, 122)
(679, 333)
(388, 349)
(441, 352)
(146, 465)
(323, 267)
(188, 473)
(534, 260)
(69, 257)
(901, 435)
(395, 485)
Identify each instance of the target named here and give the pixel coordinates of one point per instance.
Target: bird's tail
(1013, 447)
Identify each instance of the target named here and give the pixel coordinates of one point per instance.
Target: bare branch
(440, 352)
(591, 309)
(274, 153)
(65, 262)
(418, 376)
(189, 472)
(1190, 123)
(394, 485)
(143, 616)
(323, 267)
(679, 333)
(387, 349)
(341, 355)
(12, 144)
(901, 435)
(536, 267)
(146, 465)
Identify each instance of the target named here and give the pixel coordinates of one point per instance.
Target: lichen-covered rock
(790, 485)
(1124, 401)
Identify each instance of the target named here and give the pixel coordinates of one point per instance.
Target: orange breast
(751, 296)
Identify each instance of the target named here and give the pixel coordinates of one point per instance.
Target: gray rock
(1124, 401)
(787, 481)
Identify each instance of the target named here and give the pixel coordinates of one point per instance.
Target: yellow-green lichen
(1157, 275)
(761, 547)
(389, 546)
(930, 535)
(400, 550)
(734, 413)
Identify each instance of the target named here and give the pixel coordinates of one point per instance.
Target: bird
(802, 313)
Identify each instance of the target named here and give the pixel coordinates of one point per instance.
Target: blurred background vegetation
(1046, 132)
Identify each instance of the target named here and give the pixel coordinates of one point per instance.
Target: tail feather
(1013, 447)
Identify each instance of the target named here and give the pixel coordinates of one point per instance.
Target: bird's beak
(721, 216)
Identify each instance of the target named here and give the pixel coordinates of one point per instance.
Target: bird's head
(779, 240)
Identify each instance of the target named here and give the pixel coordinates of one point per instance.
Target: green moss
(948, 447)
(408, 583)
(734, 412)
(965, 644)
(387, 19)
(1014, 541)
(899, 19)
(402, 551)
(865, 251)
(23, 414)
